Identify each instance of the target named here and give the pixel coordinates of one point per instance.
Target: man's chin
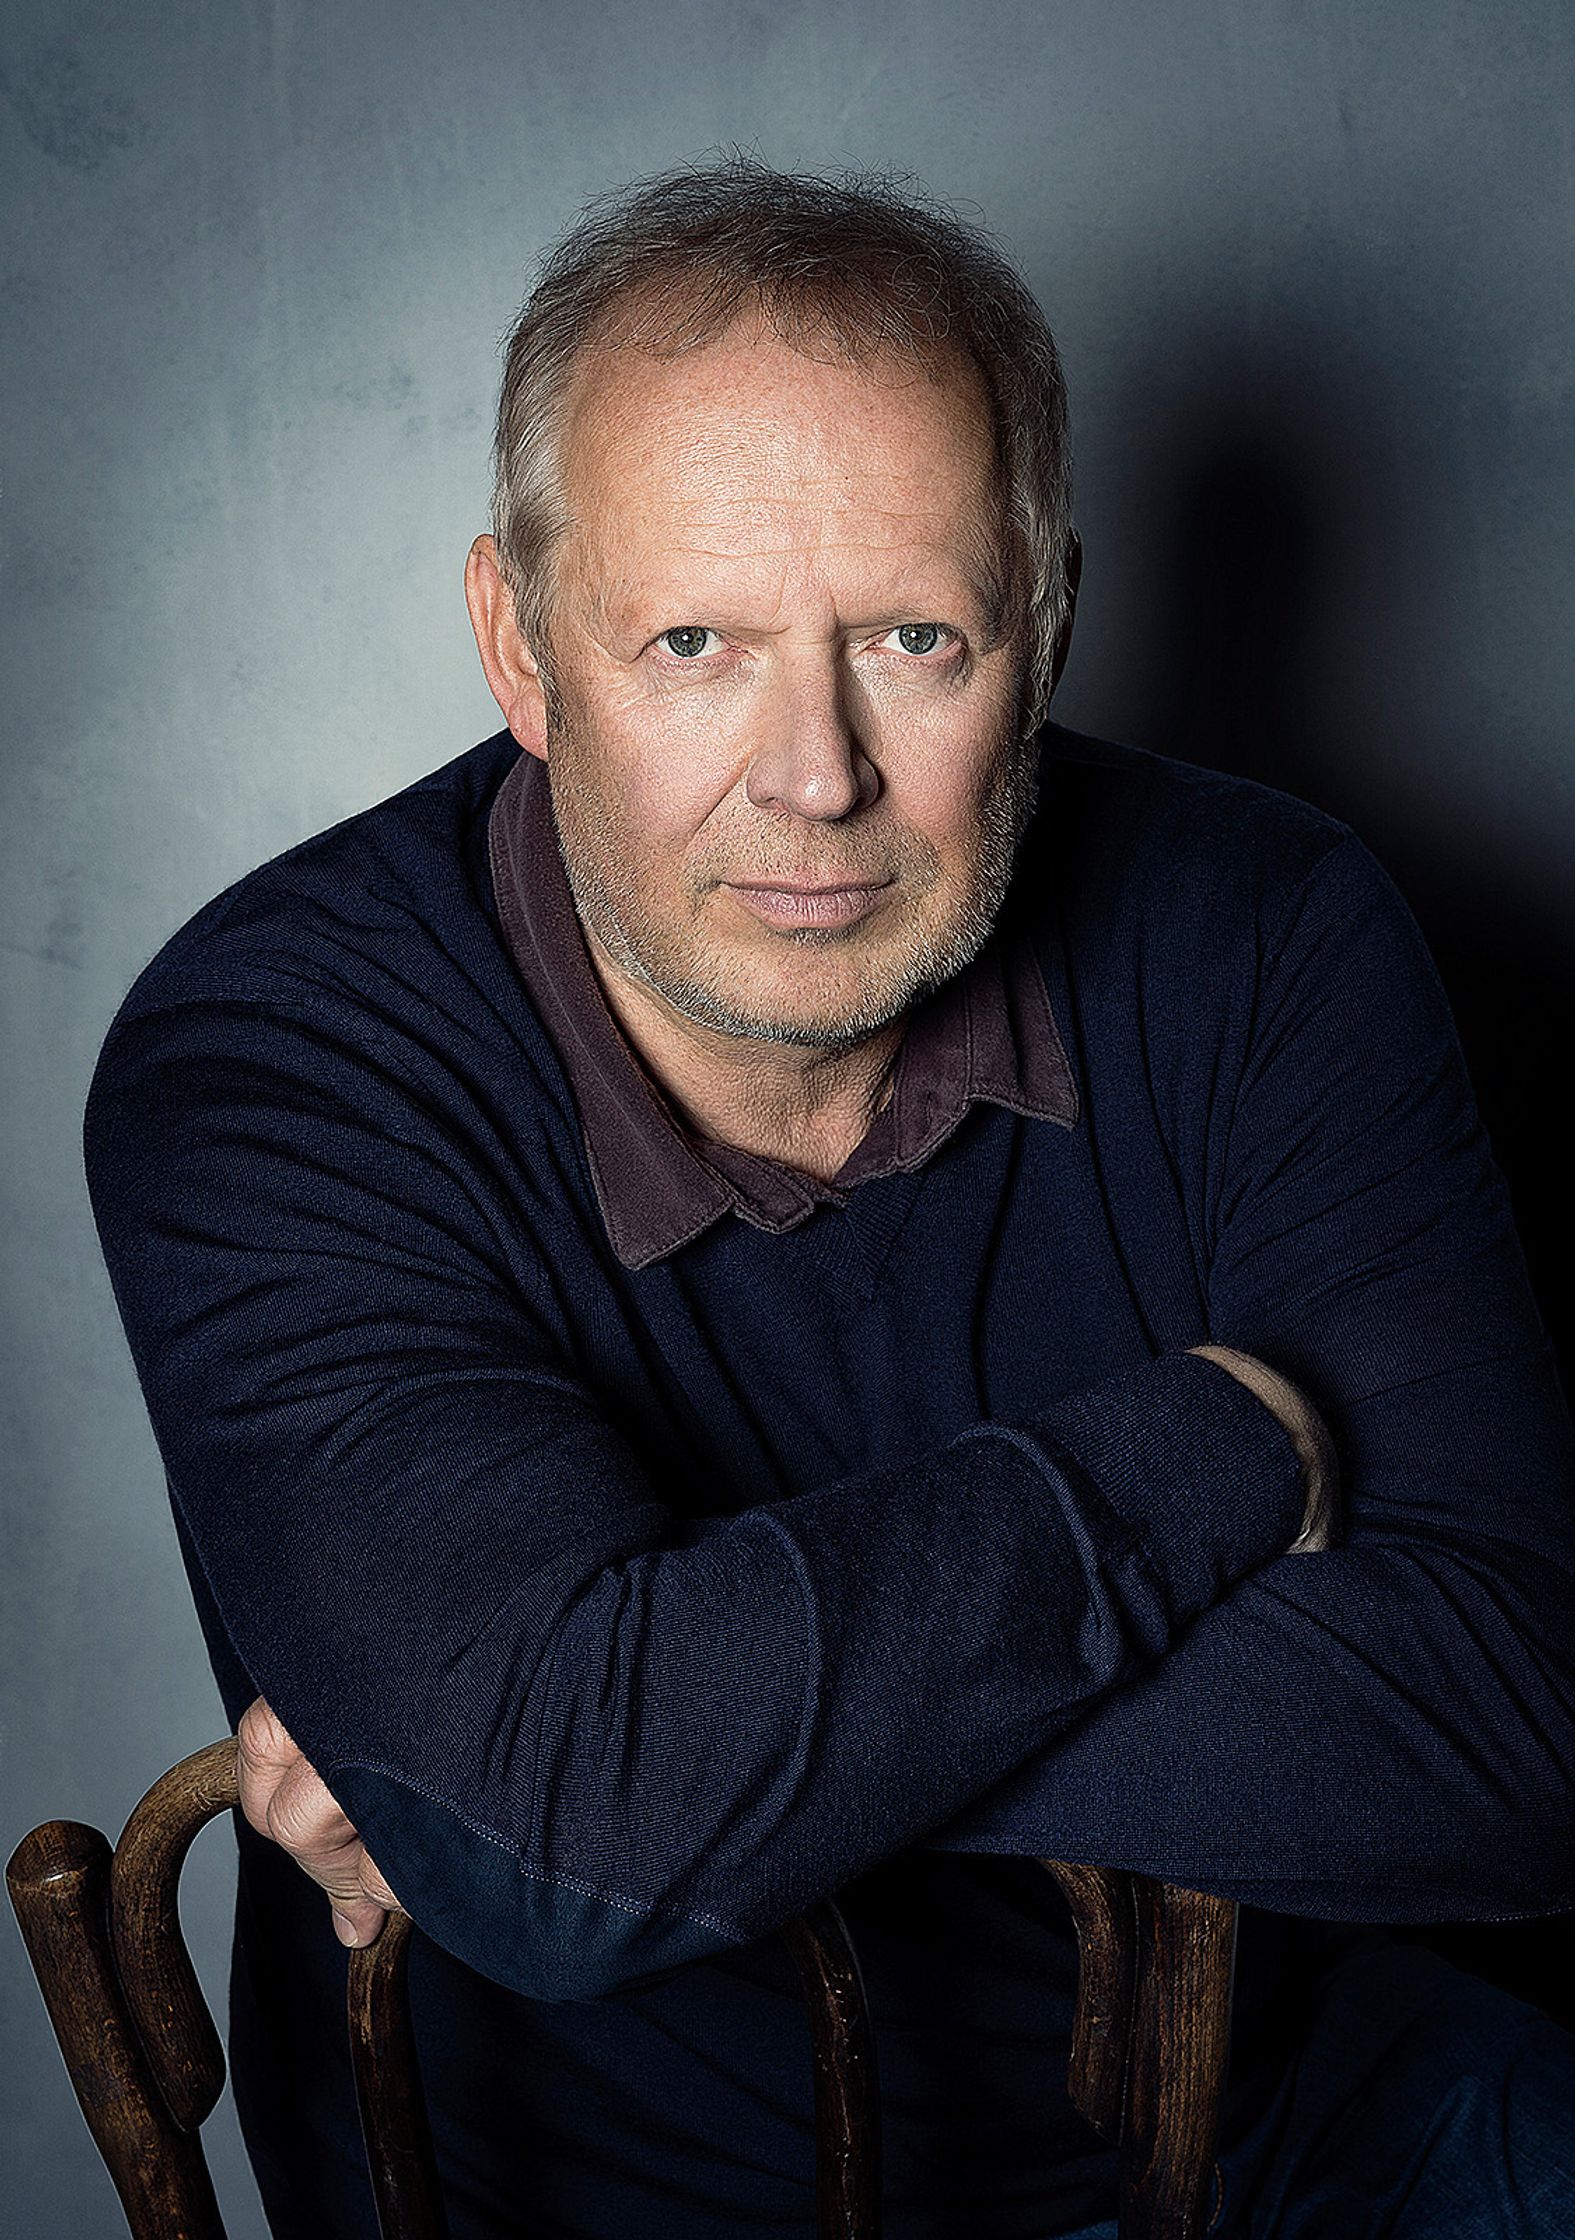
(820, 1012)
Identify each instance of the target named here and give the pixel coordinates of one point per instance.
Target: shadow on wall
(1262, 557)
(1260, 529)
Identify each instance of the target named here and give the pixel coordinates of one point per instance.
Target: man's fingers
(358, 1924)
(359, 1916)
(264, 1738)
(285, 1798)
(304, 1816)
(305, 1820)
(374, 1885)
(265, 1754)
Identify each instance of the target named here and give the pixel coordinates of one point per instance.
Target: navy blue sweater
(629, 1610)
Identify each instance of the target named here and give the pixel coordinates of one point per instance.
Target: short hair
(667, 262)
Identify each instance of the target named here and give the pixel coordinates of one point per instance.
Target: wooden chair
(102, 1927)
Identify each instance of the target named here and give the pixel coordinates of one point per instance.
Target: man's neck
(804, 1107)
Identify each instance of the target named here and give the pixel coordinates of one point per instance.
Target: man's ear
(1074, 576)
(511, 670)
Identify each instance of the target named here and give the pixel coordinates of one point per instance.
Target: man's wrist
(1308, 1433)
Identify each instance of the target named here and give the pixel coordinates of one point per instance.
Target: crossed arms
(285, 1798)
(587, 1741)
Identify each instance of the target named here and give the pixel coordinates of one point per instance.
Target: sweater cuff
(1179, 1454)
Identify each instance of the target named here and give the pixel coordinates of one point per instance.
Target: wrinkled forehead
(745, 449)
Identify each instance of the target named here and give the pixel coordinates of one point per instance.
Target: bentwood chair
(102, 1928)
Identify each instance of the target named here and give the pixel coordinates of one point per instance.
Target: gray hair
(665, 263)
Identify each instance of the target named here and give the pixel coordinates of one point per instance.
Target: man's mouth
(800, 905)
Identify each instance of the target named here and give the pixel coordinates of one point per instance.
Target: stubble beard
(609, 901)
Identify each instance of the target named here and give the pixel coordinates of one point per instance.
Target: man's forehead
(737, 471)
(733, 400)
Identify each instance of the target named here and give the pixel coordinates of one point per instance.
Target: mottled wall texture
(1310, 263)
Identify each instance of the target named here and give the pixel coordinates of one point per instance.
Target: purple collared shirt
(988, 1033)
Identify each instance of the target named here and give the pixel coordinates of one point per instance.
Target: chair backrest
(102, 1927)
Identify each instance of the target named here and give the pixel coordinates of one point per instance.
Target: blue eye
(928, 635)
(692, 636)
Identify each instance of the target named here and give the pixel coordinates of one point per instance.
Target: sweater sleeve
(589, 1739)
(1384, 1731)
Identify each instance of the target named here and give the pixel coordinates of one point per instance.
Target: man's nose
(811, 760)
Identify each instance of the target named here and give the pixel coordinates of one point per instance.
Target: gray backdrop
(1311, 268)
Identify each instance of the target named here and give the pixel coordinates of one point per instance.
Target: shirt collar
(988, 1033)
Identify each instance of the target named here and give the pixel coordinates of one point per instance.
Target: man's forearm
(1383, 1734)
(735, 1727)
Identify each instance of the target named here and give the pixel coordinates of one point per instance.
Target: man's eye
(686, 640)
(919, 637)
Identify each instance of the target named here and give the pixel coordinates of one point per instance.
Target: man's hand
(283, 1798)
(1310, 1436)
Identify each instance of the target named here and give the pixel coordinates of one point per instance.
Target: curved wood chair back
(102, 1926)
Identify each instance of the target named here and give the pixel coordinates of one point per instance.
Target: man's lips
(788, 886)
(791, 905)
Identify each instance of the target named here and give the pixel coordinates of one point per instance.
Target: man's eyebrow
(975, 597)
(987, 569)
(992, 599)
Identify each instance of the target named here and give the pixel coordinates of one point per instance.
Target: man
(763, 1286)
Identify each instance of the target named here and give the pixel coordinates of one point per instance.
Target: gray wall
(1311, 268)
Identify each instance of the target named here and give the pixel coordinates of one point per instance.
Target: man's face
(776, 662)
